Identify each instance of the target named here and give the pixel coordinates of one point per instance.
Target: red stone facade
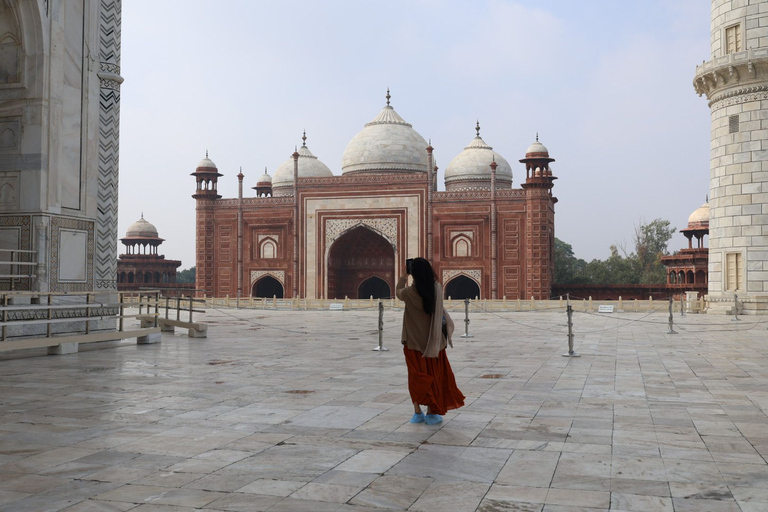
(327, 236)
(461, 227)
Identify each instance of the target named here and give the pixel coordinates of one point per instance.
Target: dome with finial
(699, 219)
(472, 167)
(265, 179)
(206, 164)
(537, 150)
(388, 143)
(309, 167)
(141, 229)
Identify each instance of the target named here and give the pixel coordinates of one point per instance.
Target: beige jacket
(421, 331)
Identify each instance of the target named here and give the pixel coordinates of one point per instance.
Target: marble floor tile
(640, 422)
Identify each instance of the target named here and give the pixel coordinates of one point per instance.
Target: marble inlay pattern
(57, 224)
(277, 274)
(109, 144)
(474, 274)
(387, 228)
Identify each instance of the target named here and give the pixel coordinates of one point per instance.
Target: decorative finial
(477, 128)
(265, 170)
(304, 138)
(707, 198)
(388, 96)
(537, 136)
(206, 153)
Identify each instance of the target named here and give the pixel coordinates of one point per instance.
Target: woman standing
(427, 330)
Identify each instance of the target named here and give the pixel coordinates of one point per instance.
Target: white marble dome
(388, 143)
(537, 148)
(699, 217)
(207, 163)
(472, 167)
(309, 167)
(266, 178)
(141, 229)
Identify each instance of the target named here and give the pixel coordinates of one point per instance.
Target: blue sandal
(418, 417)
(433, 419)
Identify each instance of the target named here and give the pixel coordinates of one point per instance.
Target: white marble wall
(737, 88)
(52, 136)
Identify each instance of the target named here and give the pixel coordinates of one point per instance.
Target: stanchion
(466, 320)
(735, 309)
(671, 320)
(381, 347)
(682, 305)
(571, 353)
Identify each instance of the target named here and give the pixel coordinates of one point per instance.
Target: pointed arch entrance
(462, 287)
(354, 259)
(374, 287)
(268, 287)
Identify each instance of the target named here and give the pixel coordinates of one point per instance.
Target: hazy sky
(605, 83)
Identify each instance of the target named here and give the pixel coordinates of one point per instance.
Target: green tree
(650, 245)
(568, 268)
(186, 276)
(643, 266)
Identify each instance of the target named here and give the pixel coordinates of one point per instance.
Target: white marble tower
(59, 131)
(735, 81)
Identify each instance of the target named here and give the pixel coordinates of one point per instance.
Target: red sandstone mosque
(311, 234)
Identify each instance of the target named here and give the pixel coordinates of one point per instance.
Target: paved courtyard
(293, 411)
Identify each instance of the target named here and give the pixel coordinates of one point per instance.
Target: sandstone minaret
(735, 81)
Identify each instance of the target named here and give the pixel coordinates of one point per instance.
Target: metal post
(735, 309)
(167, 300)
(381, 347)
(190, 308)
(50, 316)
(569, 312)
(466, 320)
(671, 319)
(682, 305)
(5, 313)
(157, 307)
(87, 313)
(122, 311)
(178, 307)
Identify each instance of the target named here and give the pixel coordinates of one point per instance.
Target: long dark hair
(424, 281)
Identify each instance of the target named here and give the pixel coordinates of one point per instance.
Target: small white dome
(207, 163)
(699, 217)
(537, 147)
(473, 166)
(141, 229)
(309, 167)
(387, 143)
(266, 178)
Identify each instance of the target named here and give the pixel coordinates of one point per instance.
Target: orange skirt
(431, 382)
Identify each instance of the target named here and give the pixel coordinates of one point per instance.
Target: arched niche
(374, 287)
(358, 255)
(268, 286)
(462, 287)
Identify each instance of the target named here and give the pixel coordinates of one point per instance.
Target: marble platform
(293, 411)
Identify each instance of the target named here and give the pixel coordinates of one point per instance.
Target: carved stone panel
(387, 228)
(474, 274)
(10, 134)
(277, 274)
(9, 191)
